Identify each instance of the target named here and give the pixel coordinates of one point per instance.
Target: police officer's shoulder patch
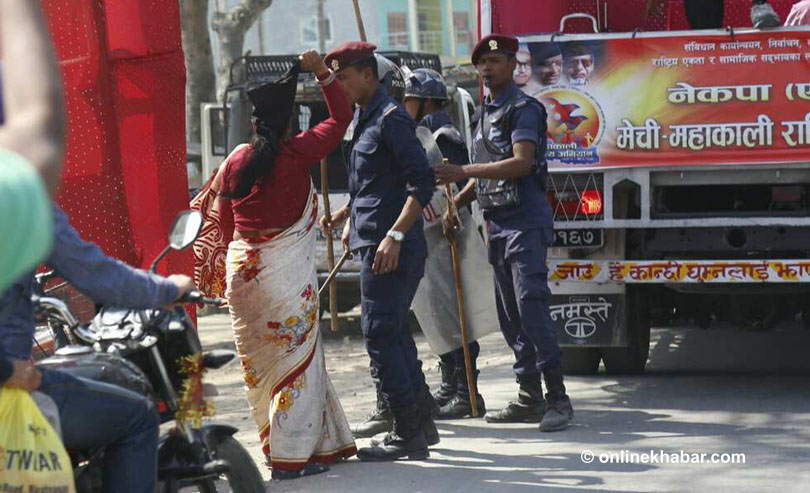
(387, 110)
(524, 101)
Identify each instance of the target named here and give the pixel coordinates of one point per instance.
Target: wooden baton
(451, 207)
(330, 246)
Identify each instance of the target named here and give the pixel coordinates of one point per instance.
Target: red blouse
(278, 200)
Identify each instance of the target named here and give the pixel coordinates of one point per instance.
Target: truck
(679, 171)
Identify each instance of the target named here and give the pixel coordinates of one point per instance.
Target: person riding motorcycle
(93, 414)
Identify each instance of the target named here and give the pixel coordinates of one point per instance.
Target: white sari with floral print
(272, 290)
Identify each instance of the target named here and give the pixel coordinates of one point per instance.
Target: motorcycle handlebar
(197, 297)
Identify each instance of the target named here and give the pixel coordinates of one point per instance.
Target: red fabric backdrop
(124, 75)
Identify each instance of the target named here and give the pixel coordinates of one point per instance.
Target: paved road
(719, 391)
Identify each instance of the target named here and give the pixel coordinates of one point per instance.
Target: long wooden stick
(451, 207)
(330, 246)
(359, 17)
(334, 272)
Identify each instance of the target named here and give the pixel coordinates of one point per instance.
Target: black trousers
(704, 14)
(707, 14)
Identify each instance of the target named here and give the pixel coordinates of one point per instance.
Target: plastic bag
(32, 457)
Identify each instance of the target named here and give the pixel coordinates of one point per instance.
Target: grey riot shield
(436, 301)
(434, 154)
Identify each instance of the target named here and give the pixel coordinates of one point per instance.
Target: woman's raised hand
(311, 61)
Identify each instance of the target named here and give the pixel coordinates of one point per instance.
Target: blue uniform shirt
(385, 158)
(529, 124)
(104, 279)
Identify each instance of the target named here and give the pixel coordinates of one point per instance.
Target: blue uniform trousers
(522, 298)
(96, 414)
(385, 300)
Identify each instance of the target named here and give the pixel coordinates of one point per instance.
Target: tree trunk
(231, 28)
(200, 80)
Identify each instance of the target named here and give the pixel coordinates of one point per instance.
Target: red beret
(494, 43)
(349, 53)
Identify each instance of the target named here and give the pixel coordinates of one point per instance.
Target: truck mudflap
(680, 271)
(588, 320)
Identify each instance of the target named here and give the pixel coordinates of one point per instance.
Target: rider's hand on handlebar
(184, 285)
(25, 376)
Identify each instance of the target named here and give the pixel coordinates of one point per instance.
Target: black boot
(425, 404)
(530, 406)
(560, 412)
(460, 406)
(428, 408)
(380, 421)
(449, 383)
(407, 441)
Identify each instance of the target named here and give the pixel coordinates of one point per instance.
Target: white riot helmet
(391, 76)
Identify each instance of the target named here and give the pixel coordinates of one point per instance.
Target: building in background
(446, 27)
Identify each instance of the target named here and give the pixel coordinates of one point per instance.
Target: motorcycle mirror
(185, 230)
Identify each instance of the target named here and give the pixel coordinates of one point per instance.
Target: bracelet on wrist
(328, 77)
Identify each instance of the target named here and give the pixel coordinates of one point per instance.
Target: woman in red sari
(267, 208)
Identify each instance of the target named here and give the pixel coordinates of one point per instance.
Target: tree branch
(240, 17)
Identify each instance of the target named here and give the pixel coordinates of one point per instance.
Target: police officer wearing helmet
(390, 182)
(508, 180)
(425, 97)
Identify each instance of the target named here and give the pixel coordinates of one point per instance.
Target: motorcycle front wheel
(243, 476)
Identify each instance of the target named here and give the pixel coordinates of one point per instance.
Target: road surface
(719, 391)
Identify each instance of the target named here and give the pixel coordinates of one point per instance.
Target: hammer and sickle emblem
(493, 45)
(335, 64)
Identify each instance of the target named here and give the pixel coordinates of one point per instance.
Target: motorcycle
(155, 353)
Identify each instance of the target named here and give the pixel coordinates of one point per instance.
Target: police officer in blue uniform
(425, 97)
(390, 182)
(509, 173)
(381, 420)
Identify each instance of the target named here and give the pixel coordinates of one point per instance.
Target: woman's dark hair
(264, 148)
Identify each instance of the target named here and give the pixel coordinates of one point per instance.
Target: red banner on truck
(672, 99)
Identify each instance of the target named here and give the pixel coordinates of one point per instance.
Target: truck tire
(631, 359)
(580, 360)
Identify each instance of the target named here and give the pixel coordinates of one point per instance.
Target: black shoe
(449, 382)
(517, 412)
(407, 441)
(559, 415)
(427, 410)
(530, 406)
(460, 408)
(560, 412)
(380, 421)
(396, 448)
(310, 469)
(428, 428)
(431, 432)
